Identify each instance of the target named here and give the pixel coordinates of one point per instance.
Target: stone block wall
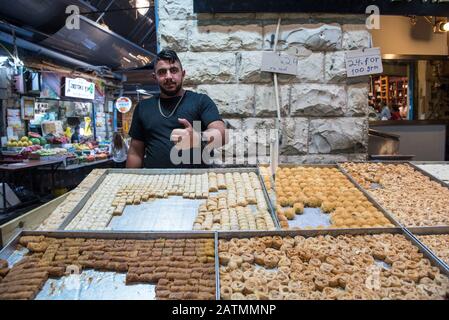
(324, 113)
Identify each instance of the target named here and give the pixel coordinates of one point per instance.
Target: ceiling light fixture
(442, 26)
(142, 91)
(142, 6)
(439, 24)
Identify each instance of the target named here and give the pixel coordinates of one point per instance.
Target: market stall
(75, 160)
(317, 221)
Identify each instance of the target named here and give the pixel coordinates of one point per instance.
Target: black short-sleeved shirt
(150, 126)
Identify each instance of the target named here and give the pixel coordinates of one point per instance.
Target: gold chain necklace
(174, 109)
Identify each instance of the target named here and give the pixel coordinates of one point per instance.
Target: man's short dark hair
(168, 55)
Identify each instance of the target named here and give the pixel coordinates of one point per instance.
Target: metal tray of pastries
(71, 265)
(414, 198)
(328, 264)
(324, 197)
(436, 239)
(175, 200)
(433, 177)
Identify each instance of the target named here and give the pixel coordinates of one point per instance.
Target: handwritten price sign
(363, 62)
(279, 63)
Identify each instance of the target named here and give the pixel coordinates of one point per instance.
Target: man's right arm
(136, 153)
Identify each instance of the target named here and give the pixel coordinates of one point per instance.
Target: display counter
(217, 234)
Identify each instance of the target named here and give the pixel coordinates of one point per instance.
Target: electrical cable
(114, 10)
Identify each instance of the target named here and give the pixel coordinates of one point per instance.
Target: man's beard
(171, 93)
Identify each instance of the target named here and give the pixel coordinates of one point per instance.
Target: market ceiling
(386, 7)
(111, 33)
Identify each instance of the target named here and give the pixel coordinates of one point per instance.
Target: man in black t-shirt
(173, 129)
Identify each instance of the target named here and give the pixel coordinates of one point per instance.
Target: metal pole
(274, 146)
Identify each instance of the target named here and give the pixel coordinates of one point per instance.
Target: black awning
(99, 46)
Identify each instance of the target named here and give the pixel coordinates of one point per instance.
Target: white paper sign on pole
(279, 63)
(363, 62)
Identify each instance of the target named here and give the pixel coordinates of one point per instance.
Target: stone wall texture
(324, 113)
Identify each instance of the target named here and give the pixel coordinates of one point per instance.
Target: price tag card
(363, 62)
(279, 63)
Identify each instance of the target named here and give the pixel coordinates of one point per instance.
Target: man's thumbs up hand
(186, 138)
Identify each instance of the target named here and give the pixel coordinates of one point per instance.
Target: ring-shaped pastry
(247, 266)
(232, 265)
(237, 286)
(399, 265)
(295, 275)
(275, 295)
(248, 274)
(398, 273)
(296, 267)
(271, 251)
(326, 267)
(250, 286)
(395, 281)
(321, 282)
(277, 242)
(411, 274)
(330, 293)
(284, 262)
(271, 261)
(259, 247)
(292, 296)
(294, 286)
(237, 296)
(273, 285)
(284, 270)
(284, 290)
(315, 262)
(262, 294)
(269, 276)
(282, 278)
(224, 258)
(259, 258)
(237, 275)
(259, 273)
(247, 257)
(225, 292)
(234, 250)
